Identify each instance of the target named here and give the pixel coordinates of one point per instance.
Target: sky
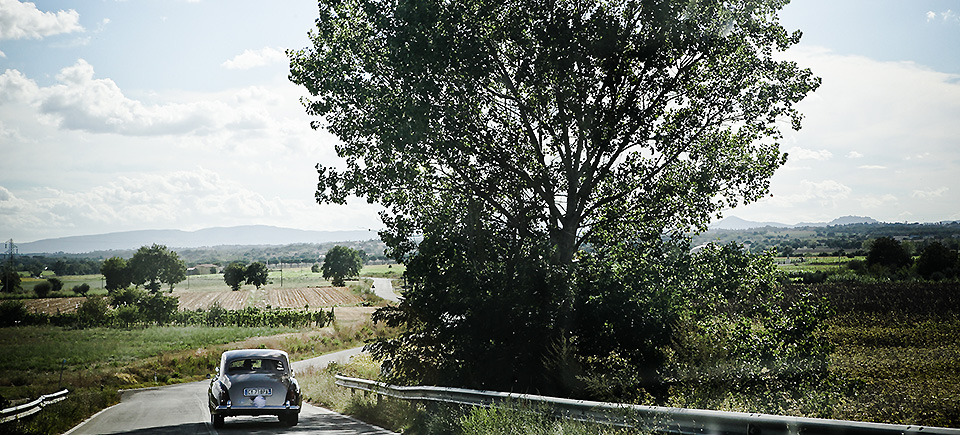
(176, 114)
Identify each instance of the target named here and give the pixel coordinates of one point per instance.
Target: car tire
(217, 420)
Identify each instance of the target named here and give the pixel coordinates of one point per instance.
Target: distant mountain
(735, 223)
(243, 235)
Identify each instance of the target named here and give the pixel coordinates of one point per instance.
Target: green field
(298, 277)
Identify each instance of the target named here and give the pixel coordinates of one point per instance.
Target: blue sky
(126, 115)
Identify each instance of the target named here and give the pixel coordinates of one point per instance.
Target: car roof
(231, 355)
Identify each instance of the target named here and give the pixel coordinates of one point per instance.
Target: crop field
(310, 297)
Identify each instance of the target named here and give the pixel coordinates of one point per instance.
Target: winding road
(182, 409)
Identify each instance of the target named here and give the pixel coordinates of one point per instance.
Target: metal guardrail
(680, 421)
(30, 408)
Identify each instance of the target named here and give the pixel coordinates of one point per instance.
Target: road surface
(182, 409)
(383, 287)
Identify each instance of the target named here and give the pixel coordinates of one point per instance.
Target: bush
(93, 312)
(55, 284)
(42, 289)
(158, 308)
(13, 312)
(128, 315)
(125, 296)
(81, 289)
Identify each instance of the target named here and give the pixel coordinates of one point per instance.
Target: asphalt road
(182, 409)
(383, 287)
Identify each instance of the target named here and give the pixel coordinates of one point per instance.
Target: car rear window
(255, 365)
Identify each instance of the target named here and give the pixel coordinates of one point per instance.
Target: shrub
(93, 312)
(12, 312)
(125, 296)
(42, 289)
(55, 284)
(128, 315)
(81, 289)
(158, 308)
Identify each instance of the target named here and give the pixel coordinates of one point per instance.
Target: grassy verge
(886, 368)
(419, 419)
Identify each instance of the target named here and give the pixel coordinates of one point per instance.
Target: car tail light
(292, 394)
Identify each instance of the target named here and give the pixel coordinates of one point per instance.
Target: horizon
(198, 126)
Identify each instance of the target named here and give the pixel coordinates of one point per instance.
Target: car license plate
(258, 391)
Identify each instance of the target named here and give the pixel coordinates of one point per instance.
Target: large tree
(339, 263)
(152, 266)
(564, 117)
(116, 273)
(257, 274)
(521, 131)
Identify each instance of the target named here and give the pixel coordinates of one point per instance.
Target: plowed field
(52, 306)
(232, 300)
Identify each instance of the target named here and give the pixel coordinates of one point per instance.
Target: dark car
(254, 382)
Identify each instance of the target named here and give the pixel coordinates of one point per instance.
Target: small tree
(234, 275)
(42, 289)
(888, 252)
(9, 280)
(81, 289)
(315, 268)
(256, 274)
(116, 273)
(92, 312)
(158, 308)
(936, 258)
(55, 284)
(339, 263)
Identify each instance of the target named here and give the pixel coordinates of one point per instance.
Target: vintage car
(254, 382)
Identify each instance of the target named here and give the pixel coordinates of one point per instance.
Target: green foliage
(56, 284)
(234, 275)
(937, 259)
(42, 289)
(315, 268)
(9, 280)
(81, 289)
(128, 315)
(341, 262)
(158, 309)
(887, 252)
(125, 296)
(13, 312)
(256, 274)
(156, 265)
(93, 312)
(116, 273)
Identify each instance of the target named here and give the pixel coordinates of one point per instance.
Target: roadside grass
(887, 366)
(435, 419)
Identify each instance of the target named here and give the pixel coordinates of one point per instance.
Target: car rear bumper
(231, 410)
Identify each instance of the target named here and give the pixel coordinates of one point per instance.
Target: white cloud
(805, 154)
(80, 101)
(873, 202)
(2, 54)
(871, 167)
(931, 15)
(254, 58)
(934, 193)
(24, 20)
(854, 155)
